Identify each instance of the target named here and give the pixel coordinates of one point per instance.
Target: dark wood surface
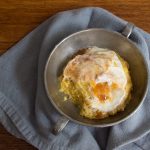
(18, 17)
(9, 142)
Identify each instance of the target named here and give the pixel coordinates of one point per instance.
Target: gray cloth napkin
(25, 110)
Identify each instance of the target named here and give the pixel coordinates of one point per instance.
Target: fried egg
(98, 81)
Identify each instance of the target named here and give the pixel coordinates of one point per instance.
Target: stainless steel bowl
(103, 39)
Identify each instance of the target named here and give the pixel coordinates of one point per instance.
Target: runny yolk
(102, 91)
(114, 86)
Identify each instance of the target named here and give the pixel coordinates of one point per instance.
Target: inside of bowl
(103, 39)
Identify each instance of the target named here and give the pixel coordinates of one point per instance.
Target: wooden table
(17, 18)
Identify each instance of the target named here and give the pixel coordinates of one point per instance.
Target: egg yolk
(103, 91)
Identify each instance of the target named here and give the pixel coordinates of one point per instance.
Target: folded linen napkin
(25, 110)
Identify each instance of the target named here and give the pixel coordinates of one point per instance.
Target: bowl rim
(104, 124)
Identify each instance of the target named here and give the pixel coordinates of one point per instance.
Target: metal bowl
(103, 39)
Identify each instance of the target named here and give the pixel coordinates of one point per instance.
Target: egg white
(114, 74)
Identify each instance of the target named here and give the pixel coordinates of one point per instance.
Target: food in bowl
(98, 82)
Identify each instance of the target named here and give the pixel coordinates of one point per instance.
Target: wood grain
(9, 142)
(17, 18)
